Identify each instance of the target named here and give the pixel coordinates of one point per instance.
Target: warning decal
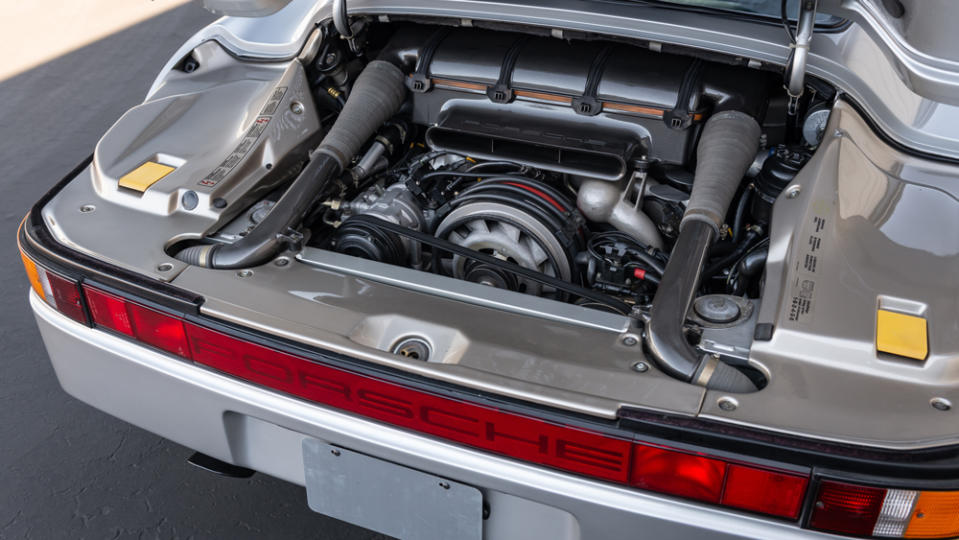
(248, 141)
(802, 296)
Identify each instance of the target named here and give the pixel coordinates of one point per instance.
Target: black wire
(740, 214)
(732, 280)
(493, 181)
(484, 164)
(748, 242)
(785, 20)
(652, 278)
(439, 174)
(636, 250)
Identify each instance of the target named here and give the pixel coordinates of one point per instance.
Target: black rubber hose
(377, 94)
(721, 163)
(748, 243)
(266, 240)
(740, 214)
(674, 296)
(727, 146)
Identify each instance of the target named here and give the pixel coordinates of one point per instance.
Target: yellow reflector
(33, 275)
(936, 515)
(898, 333)
(145, 176)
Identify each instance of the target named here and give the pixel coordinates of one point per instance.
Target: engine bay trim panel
(465, 291)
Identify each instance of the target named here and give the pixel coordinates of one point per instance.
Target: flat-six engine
(612, 175)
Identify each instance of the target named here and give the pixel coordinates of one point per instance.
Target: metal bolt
(792, 192)
(165, 267)
(244, 273)
(445, 485)
(630, 341)
(87, 208)
(640, 367)
(335, 452)
(940, 404)
(297, 107)
(329, 58)
(728, 404)
(282, 261)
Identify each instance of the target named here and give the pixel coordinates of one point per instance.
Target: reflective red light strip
(522, 437)
(529, 439)
(847, 508)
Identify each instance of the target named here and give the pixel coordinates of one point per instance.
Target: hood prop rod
(795, 73)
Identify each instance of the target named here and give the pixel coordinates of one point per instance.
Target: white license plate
(388, 498)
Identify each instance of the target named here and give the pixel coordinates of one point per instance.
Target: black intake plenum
(376, 96)
(727, 146)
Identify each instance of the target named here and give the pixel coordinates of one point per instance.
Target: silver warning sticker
(248, 141)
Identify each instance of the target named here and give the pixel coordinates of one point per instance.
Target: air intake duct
(376, 96)
(726, 148)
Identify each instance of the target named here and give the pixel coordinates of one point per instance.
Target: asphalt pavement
(66, 469)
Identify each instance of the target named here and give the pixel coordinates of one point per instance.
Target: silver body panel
(913, 97)
(256, 428)
(884, 227)
(223, 127)
(567, 362)
(562, 355)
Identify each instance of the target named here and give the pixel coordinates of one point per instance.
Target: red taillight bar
(837, 506)
(569, 448)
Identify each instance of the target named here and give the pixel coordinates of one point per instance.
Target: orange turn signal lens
(936, 515)
(33, 275)
(60, 292)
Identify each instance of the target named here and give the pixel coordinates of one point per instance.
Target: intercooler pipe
(727, 146)
(376, 96)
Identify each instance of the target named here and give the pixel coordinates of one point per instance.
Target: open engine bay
(638, 182)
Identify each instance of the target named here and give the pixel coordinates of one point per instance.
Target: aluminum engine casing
(587, 108)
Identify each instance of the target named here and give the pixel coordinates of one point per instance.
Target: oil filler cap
(717, 308)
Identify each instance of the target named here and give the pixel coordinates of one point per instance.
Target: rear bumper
(263, 430)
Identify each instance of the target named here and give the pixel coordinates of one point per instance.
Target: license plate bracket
(389, 498)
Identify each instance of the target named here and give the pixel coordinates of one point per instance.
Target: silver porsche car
(574, 269)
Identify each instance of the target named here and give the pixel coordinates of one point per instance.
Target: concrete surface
(46, 29)
(67, 470)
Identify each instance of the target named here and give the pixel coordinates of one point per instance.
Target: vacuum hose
(376, 96)
(726, 148)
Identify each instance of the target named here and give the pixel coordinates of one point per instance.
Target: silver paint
(252, 427)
